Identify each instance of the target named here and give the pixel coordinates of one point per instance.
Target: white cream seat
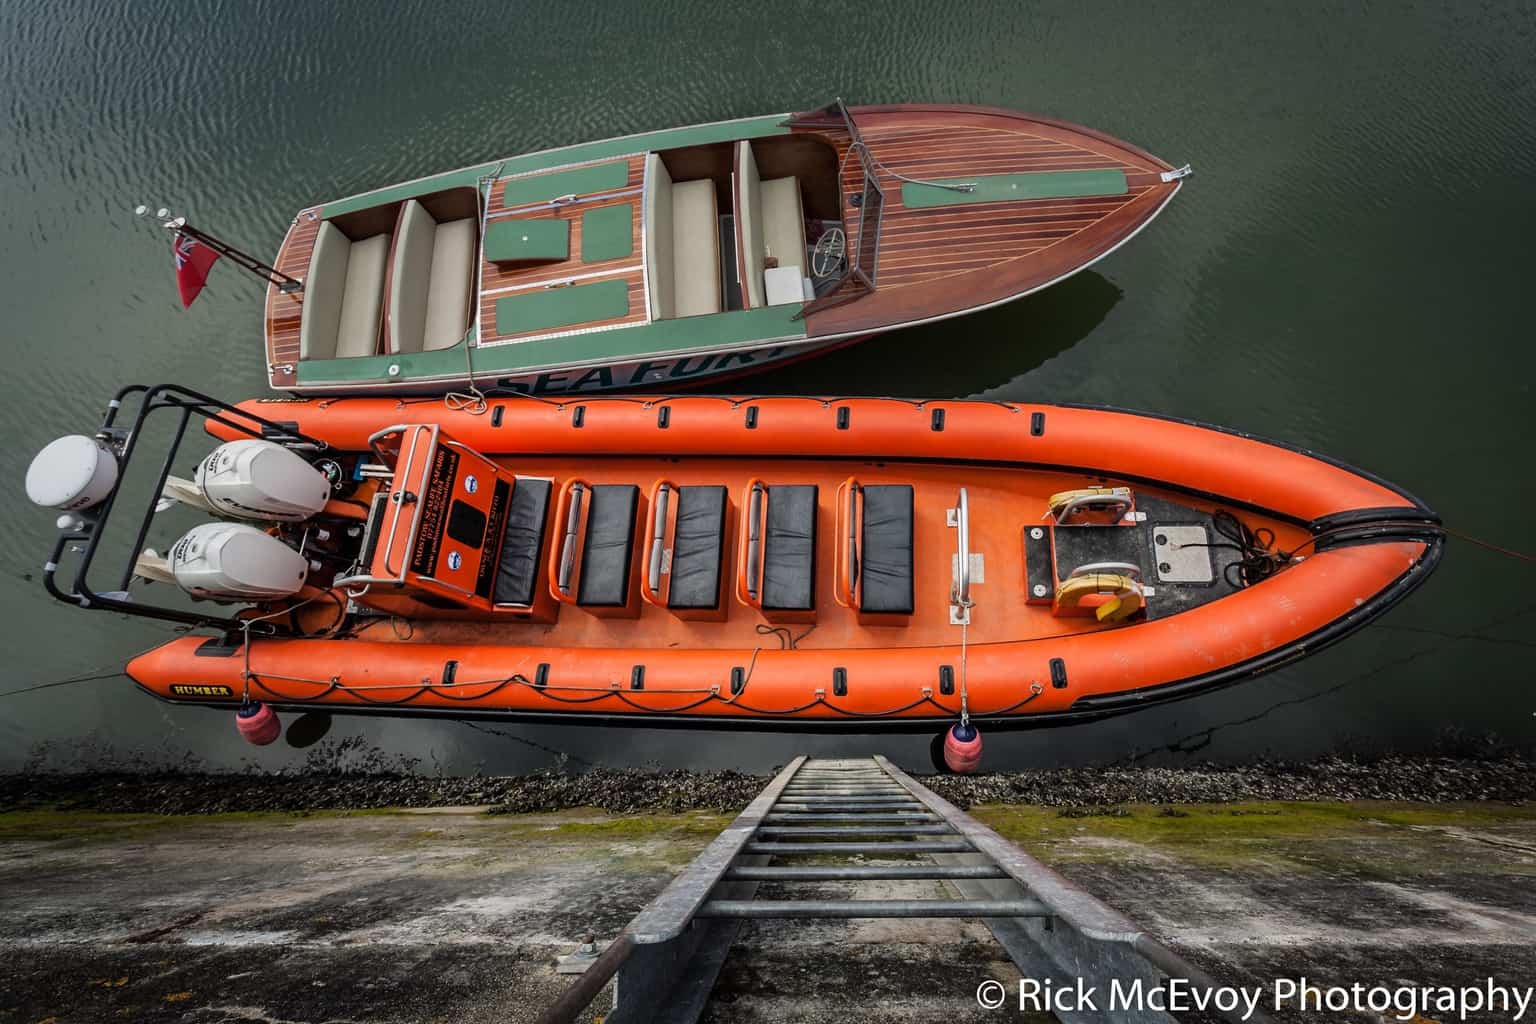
(771, 220)
(430, 281)
(343, 295)
(682, 244)
(695, 248)
(784, 222)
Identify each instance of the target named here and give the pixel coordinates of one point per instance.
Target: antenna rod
(240, 258)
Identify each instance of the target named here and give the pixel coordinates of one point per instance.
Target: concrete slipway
(456, 914)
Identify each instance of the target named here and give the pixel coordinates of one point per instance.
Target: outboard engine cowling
(253, 479)
(236, 562)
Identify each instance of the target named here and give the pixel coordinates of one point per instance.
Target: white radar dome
(72, 473)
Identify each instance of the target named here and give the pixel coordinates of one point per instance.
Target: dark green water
(1349, 271)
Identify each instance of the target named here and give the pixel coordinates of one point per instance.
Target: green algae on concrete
(1305, 836)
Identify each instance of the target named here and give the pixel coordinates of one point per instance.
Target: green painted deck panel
(547, 309)
(670, 138)
(994, 188)
(689, 334)
(607, 233)
(543, 238)
(579, 181)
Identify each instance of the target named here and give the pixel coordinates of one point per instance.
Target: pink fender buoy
(962, 748)
(258, 723)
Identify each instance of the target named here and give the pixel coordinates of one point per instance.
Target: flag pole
(179, 225)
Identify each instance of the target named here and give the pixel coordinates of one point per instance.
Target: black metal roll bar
(184, 403)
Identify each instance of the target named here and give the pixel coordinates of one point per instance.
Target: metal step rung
(838, 808)
(806, 817)
(872, 908)
(863, 872)
(916, 846)
(855, 830)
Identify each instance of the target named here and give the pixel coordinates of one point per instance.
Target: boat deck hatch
(1183, 554)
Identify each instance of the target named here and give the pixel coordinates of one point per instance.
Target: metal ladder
(668, 957)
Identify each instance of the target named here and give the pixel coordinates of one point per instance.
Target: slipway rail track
(668, 957)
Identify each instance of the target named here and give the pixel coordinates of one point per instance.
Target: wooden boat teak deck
(697, 253)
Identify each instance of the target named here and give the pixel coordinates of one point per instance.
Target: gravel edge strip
(1436, 779)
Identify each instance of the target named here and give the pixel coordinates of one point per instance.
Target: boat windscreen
(864, 251)
(871, 202)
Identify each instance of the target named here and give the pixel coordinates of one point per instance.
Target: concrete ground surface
(456, 915)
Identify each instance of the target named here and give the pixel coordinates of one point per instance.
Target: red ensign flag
(193, 259)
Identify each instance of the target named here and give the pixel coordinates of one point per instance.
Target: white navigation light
(252, 479)
(72, 473)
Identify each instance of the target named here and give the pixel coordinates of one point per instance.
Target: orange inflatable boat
(849, 564)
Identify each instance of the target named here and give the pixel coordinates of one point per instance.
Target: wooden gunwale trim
(283, 313)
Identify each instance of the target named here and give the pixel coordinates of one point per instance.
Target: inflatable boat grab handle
(750, 572)
(960, 596)
(565, 557)
(846, 571)
(1107, 568)
(658, 525)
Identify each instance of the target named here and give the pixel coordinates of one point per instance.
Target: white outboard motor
(72, 473)
(253, 479)
(236, 562)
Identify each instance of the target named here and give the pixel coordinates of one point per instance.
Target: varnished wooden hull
(932, 263)
(936, 264)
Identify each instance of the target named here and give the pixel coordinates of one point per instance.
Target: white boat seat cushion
(430, 281)
(784, 222)
(749, 222)
(362, 305)
(409, 278)
(323, 287)
(695, 248)
(453, 268)
(658, 236)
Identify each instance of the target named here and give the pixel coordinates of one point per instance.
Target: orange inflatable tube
(1278, 552)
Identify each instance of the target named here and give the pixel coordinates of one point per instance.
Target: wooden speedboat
(696, 253)
(853, 564)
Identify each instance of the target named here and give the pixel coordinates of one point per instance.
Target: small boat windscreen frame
(182, 404)
(863, 262)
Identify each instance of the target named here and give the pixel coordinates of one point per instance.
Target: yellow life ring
(1126, 596)
(1063, 504)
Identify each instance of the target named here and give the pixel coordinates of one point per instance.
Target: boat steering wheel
(827, 257)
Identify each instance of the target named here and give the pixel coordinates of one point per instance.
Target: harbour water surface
(1348, 271)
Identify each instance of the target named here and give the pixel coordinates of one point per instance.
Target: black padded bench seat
(698, 548)
(885, 569)
(610, 545)
(522, 544)
(789, 549)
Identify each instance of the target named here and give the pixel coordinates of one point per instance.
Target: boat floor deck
(501, 280)
(1003, 503)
